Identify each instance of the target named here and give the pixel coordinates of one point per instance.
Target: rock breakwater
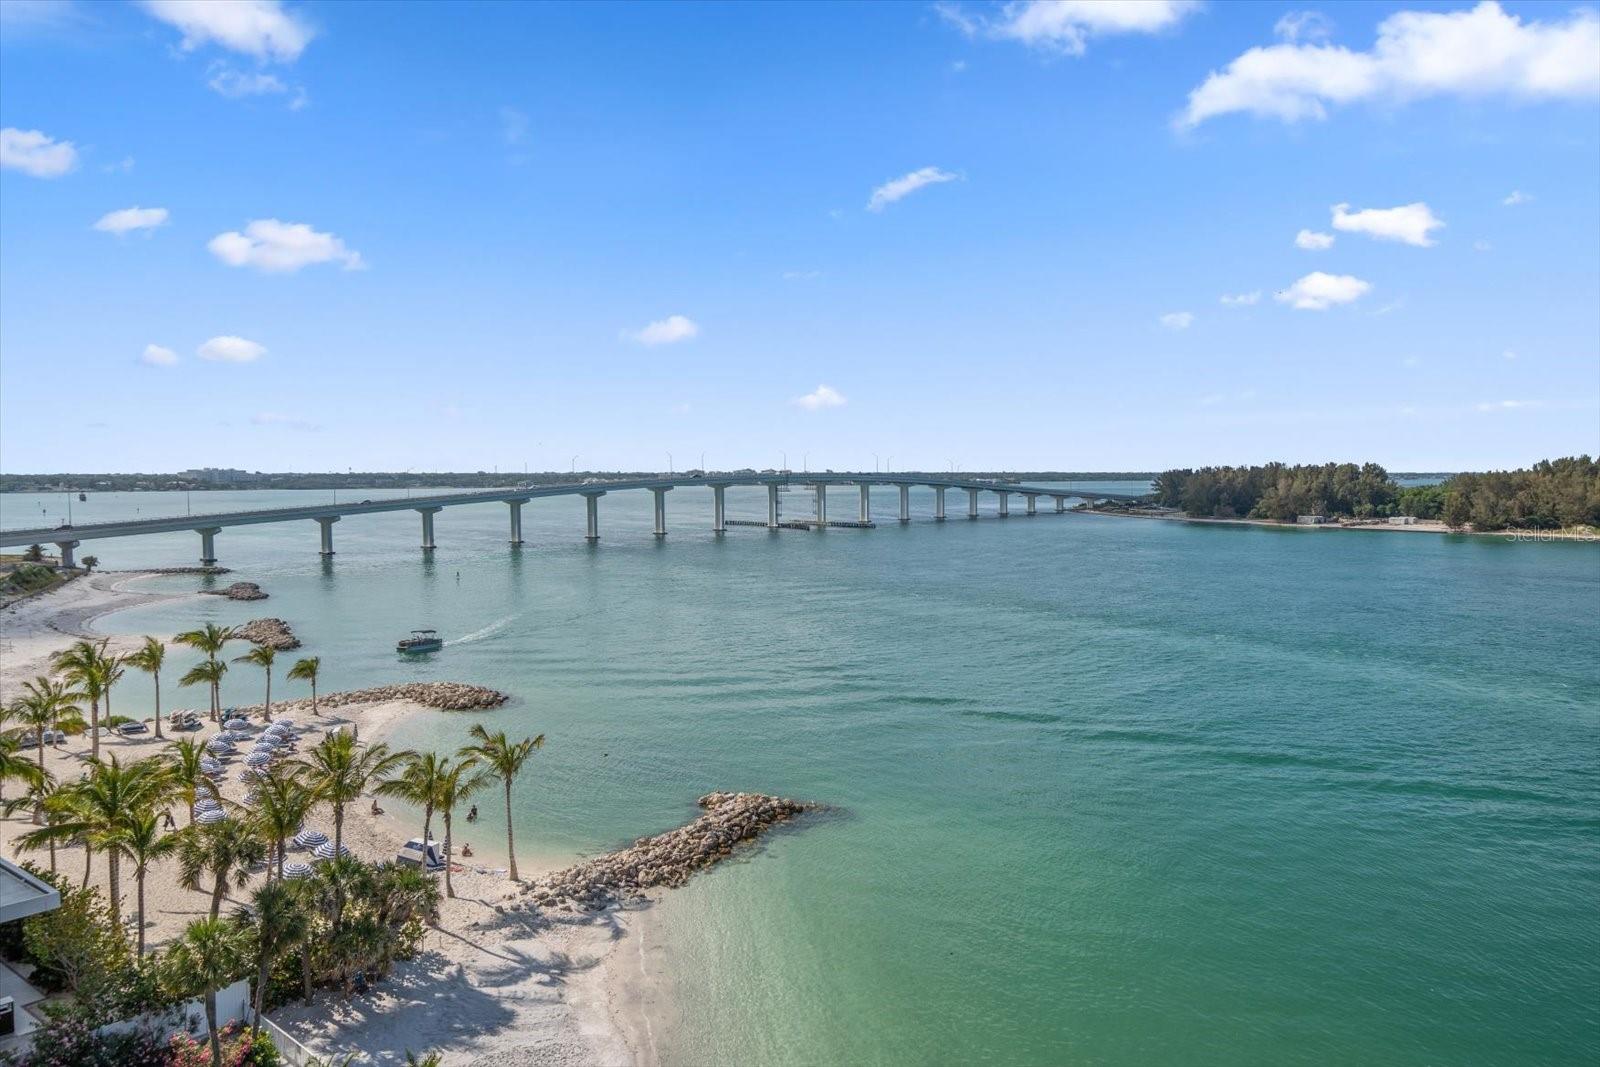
(667, 859)
(239, 591)
(446, 696)
(268, 633)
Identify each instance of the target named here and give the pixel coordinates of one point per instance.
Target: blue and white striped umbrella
(258, 759)
(284, 724)
(219, 744)
(251, 797)
(324, 851)
(296, 870)
(249, 774)
(210, 763)
(237, 724)
(203, 803)
(310, 838)
(209, 816)
(268, 741)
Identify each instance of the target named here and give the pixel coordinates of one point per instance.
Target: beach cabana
(429, 856)
(324, 851)
(310, 838)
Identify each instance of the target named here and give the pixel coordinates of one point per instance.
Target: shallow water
(1107, 791)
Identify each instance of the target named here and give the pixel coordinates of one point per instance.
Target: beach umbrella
(219, 744)
(209, 816)
(310, 838)
(296, 870)
(250, 797)
(204, 803)
(258, 759)
(236, 724)
(249, 774)
(324, 851)
(283, 724)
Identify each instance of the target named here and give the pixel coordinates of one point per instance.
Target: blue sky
(460, 237)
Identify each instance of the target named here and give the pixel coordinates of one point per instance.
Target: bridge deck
(182, 523)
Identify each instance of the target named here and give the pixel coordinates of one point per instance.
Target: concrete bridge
(67, 538)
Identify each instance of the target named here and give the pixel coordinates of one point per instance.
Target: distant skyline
(1029, 236)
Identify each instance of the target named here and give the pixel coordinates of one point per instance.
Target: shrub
(72, 1042)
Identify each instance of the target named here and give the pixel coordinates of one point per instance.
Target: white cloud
(234, 84)
(1505, 405)
(1410, 223)
(1318, 291)
(1299, 26)
(35, 153)
(264, 29)
(292, 422)
(823, 396)
(513, 126)
(1312, 241)
(1509, 354)
(1065, 26)
(670, 330)
(1234, 300)
(1482, 246)
(906, 184)
(282, 247)
(156, 356)
(1481, 52)
(132, 218)
(122, 166)
(1178, 320)
(229, 349)
(801, 275)
(1516, 197)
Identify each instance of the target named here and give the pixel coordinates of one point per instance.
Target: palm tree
(210, 954)
(183, 761)
(418, 783)
(209, 639)
(45, 705)
(84, 666)
(150, 658)
(283, 800)
(262, 657)
(226, 850)
(208, 672)
(399, 895)
(15, 767)
(504, 758)
(339, 769)
(457, 782)
(282, 923)
(306, 670)
(97, 808)
(90, 563)
(142, 842)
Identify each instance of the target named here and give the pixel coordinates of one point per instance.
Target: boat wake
(488, 631)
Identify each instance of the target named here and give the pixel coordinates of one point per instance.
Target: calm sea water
(1106, 791)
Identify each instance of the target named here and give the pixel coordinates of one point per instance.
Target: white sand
(504, 989)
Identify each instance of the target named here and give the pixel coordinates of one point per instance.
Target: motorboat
(420, 641)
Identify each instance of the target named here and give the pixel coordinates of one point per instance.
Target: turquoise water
(1106, 791)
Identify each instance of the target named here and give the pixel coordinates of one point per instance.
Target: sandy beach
(492, 985)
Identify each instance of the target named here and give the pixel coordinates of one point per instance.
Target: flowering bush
(71, 1042)
(239, 1049)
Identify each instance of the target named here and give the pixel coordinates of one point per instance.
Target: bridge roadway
(67, 538)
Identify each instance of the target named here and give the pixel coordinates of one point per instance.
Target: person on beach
(472, 816)
(376, 811)
(466, 850)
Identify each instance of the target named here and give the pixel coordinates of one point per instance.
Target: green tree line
(1549, 495)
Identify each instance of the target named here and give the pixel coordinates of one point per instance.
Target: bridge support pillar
(208, 545)
(326, 522)
(719, 509)
(661, 510)
(1005, 504)
(1061, 504)
(972, 503)
(427, 527)
(866, 503)
(516, 520)
(772, 505)
(591, 510)
(822, 504)
(1033, 502)
(64, 548)
(905, 503)
(938, 503)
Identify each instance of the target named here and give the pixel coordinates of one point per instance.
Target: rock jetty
(446, 696)
(268, 633)
(667, 859)
(239, 591)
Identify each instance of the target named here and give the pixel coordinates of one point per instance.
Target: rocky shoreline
(268, 633)
(667, 859)
(444, 696)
